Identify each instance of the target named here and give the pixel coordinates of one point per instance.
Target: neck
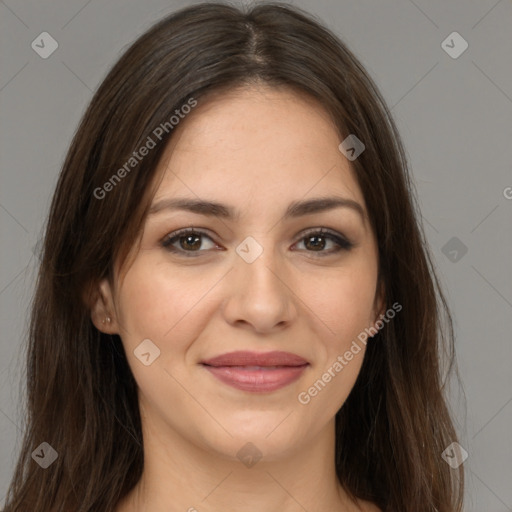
(180, 476)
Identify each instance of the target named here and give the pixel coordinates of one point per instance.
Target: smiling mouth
(257, 378)
(253, 367)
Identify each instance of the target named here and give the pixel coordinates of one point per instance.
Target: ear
(101, 304)
(379, 306)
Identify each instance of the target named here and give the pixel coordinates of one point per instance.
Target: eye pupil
(185, 243)
(188, 239)
(319, 242)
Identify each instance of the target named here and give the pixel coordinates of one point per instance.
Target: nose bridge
(257, 263)
(257, 293)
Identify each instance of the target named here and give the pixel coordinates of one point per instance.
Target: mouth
(256, 372)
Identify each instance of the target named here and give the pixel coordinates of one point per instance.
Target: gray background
(455, 116)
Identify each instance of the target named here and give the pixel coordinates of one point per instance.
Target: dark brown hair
(82, 397)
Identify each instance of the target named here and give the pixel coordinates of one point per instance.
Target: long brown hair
(82, 397)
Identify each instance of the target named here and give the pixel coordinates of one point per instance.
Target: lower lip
(257, 380)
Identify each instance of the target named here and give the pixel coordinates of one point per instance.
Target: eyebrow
(294, 210)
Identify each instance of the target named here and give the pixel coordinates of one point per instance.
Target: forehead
(258, 143)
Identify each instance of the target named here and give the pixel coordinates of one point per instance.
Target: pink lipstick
(256, 371)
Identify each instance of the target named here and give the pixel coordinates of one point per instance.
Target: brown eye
(317, 241)
(187, 242)
(190, 242)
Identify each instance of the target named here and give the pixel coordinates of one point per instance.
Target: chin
(255, 448)
(257, 434)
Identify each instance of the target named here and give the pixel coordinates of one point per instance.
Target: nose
(258, 295)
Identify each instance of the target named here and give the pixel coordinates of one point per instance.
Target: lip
(256, 371)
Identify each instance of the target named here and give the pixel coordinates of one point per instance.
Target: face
(265, 271)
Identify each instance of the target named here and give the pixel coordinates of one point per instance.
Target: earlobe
(102, 307)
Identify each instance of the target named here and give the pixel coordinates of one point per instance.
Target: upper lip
(245, 358)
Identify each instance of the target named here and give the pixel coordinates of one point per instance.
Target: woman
(236, 308)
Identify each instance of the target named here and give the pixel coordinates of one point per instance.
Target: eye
(316, 240)
(189, 240)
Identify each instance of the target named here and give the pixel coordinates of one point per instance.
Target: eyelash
(343, 243)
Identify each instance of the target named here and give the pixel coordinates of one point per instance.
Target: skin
(256, 149)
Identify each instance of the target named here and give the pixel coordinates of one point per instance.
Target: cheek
(344, 303)
(347, 309)
(161, 305)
